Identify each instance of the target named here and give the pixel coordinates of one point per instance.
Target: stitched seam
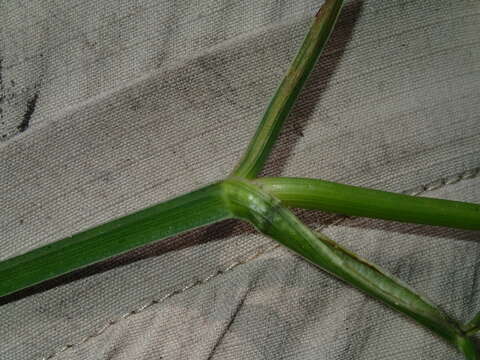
(296, 15)
(434, 185)
(152, 302)
(167, 147)
(116, 52)
(108, 20)
(449, 180)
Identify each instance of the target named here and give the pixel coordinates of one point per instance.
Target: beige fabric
(108, 107)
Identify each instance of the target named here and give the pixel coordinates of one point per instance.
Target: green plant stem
(200, 207)
(266, 213)
(356, 201)
(262, 202)
(267, 132)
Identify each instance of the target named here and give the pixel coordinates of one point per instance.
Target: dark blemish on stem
(28, 114)
(322, 10)
(319, 12)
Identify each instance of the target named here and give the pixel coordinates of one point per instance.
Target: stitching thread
(434, 185)
(152, 302)
(449, 180)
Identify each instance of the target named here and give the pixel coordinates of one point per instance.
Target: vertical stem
(268, 130)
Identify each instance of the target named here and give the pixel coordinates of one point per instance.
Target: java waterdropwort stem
(264, 203)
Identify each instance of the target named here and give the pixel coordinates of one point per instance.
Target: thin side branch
(267, 132)
(357, 201)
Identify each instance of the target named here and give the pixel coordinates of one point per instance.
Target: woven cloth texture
(108, 107)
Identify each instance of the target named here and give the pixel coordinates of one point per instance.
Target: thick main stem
(200, 207)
